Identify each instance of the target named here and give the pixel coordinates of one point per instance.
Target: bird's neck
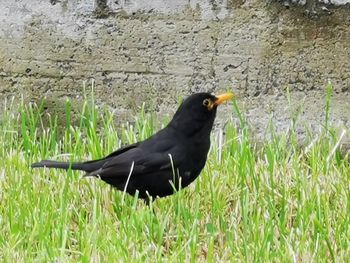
(192, 129)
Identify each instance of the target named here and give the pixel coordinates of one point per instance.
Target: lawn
(276, 202)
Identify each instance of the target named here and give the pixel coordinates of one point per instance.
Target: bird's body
(157, 165)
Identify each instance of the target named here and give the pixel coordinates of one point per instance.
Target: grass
(279, 202)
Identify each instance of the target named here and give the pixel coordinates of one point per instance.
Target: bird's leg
(149, 201)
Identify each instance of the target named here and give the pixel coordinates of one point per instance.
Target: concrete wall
(155, 51)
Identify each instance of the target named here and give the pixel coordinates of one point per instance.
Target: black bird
(171, 158)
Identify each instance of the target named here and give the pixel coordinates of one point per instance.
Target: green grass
(279, 202)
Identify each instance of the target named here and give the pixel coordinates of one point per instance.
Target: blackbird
(168, 160)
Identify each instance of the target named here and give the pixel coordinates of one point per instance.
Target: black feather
(173, 157)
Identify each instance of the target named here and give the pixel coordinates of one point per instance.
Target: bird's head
(196, 114)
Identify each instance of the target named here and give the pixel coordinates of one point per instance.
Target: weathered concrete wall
(155, 51)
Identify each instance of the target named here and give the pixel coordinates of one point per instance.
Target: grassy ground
(279, 203)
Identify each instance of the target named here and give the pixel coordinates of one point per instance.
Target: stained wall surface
(157, 51)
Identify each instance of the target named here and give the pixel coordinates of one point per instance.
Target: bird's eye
(206, 103)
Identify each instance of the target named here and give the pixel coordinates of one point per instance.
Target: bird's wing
(122, 150)
(143, 162)
(94, 165)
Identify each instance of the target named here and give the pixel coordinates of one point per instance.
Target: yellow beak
(223, 97)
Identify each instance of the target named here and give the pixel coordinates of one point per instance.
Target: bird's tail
(84, 166)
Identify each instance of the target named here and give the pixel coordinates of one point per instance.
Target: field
(277, 202)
